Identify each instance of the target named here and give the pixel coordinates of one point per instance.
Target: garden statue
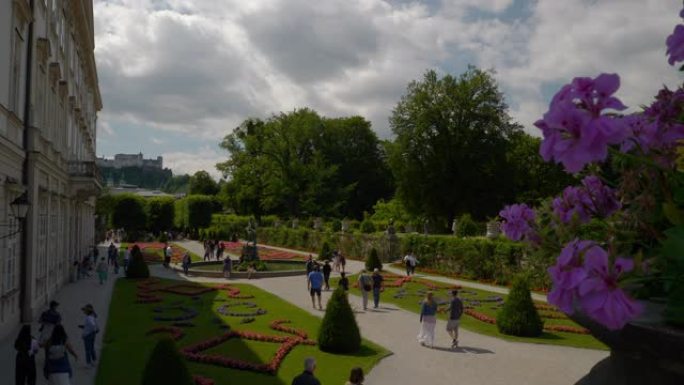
(392, 241)
(454, 227)
(345, 225)
(250, 251)
(493, 229)
(295, 223)
(426, 227)
(318, 223)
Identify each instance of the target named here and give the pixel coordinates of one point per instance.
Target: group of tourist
(213, 249)
(53, 339)
(307, 377)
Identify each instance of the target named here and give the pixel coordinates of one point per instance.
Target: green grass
(272, 266)
(415, 292)
(127, 347)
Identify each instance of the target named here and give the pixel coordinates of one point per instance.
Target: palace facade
(49, 99)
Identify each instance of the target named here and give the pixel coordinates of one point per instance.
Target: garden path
(355, 266)
(481, 360)
(72, 297)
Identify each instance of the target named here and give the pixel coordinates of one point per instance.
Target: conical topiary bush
(166, 366)
(519, 317)
(137, 268)
(339, 332)
(373, 261)
(326, 252)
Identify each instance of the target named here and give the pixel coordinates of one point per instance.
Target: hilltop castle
(130, 160)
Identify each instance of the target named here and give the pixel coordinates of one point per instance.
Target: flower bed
(200, 380)
(223, 309)
(176, 332)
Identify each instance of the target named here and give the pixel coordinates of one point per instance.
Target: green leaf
(673, 213)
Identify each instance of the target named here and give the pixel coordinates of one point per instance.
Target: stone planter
(645, 351)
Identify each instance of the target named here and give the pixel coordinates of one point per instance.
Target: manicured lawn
(410, 294)
(127, 345)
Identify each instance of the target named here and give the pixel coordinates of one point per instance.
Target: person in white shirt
(410, 261)
(90, 330)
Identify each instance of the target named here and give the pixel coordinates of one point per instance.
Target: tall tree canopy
(452, 137)
(201, 183)
(299, 163)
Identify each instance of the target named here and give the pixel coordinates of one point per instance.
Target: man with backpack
(455, 313)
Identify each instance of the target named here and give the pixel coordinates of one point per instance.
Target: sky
(176, 76)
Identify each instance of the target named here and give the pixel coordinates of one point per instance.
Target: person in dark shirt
(326, 274)
(377, 286)
(307, 376)
(344, 282)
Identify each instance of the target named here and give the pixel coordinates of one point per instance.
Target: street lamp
(20, 206)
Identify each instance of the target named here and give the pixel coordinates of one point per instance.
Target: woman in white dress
(428, 320)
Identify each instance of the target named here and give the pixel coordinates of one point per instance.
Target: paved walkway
(72, 297)
(482, 360)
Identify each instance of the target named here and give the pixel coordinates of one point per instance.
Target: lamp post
(20, 207)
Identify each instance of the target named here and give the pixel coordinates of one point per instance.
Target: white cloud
(200, 67)
(189, 162)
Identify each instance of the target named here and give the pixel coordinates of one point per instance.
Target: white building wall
(64, 104)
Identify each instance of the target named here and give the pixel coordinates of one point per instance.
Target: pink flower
(601, 297)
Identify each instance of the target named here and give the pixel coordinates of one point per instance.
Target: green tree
(194, 211)
(449, 156)
(137, 267)
(339, 332)
(177, 184)
(373, 261)
(128, 212)
(160, 214)
(166, 366)
(518, 316)
(201, 183)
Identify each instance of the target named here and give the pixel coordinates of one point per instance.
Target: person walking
(326, 274)
(219, 250)
(310, 264)
(355, 377)
(343, 262)
(366, 285)
(90, 330)
(102, 270)
(116, 266)
(25, 363)
(410, 261)
(315, 284)
(344, 282)
(307, 377)
(48, 320)
(336, 261)
(127, 259)
(168, 253)
(455, 313)
(186, 262)
(206, 251)
(227, 267)
(57, 369)
(112, 253)
(428, 320)
(377, 286)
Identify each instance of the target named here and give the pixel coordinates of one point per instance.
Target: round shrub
(326, 252)
(519, 317)
(339, 332)
(137, 268)
(467, 227)
(367, 227)
(373, 261)
(166, 366)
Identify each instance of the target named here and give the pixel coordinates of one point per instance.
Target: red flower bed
(199, 380)
(193, 352)
(233, 292)
(480, 316)
(566, 329)
(189, 290)
(176, 332)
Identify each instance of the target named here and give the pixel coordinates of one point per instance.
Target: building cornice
(83, 20)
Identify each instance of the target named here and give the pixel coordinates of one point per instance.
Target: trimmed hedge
(519, 316)
(339, 332)
(194, 211)
(137, 268)
(373, 261)
(166, 366)
(160, 214)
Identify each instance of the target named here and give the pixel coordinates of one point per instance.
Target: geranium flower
(600, 296)
(575, 133)
(517, 220)
(568, 273)
(602, 198)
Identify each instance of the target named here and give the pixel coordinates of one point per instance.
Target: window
(15, 88)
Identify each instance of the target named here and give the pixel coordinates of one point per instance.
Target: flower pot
(645, 351)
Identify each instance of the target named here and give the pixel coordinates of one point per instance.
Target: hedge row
(496, 260)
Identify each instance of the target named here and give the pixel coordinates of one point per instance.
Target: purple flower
(517, 220)
(599, 294)
(568, 273)
(675, 45)
(603, 199)
(574, 129)
(574, 202)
